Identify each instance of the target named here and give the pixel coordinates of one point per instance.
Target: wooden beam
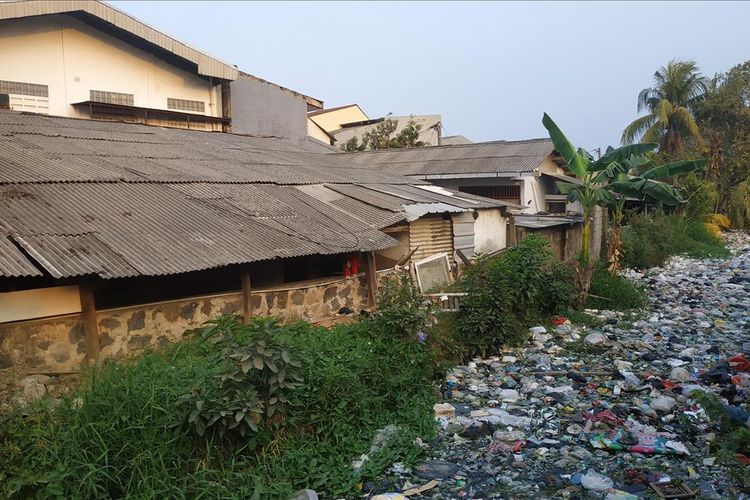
(512, 236)
(463, 258)
(88, 316)
(247, 304)
(371, 276)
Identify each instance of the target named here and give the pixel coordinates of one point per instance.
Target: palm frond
(637, 128)
(686, 123)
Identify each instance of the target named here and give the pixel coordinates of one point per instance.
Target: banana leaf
(576, 163)
(674, 168)
(621, 153)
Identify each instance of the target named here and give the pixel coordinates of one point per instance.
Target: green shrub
(122, 434)
(739, 205)
(612, 291)
(508, 293)
(401, 309)
(649, 240)
(701, 196)
(250, 394)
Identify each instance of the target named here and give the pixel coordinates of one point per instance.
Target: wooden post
(372, 280)
(512, 236)
(88, 316)
(247, 304)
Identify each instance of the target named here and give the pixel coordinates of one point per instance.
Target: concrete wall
(428, 134)
(72, 58)
(55, 345)
(39, 303)
(316, 132)
(490, 231)
(332, 120)
(263, 109)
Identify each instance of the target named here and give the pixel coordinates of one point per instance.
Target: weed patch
(124, 432)
(649, 240)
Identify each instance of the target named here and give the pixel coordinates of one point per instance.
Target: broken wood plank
(463, 258)
(407, 257)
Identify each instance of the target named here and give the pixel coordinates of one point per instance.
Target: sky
(490, 69)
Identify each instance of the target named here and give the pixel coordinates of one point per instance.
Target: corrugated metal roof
(13, 262)
(206, 64)
(123, 200)
(485, 157)
(76, 255)
(543, 221)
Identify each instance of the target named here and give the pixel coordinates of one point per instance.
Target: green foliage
(381, 137)
(678, 88)
(122, 433)
(251, 391)
(508, 293)
(612, 291)
(724, 118)
(401, 309)
(649, 240)
(739, 206)
(700, 196)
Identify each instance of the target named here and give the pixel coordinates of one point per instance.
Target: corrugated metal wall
(432, 235)
(463, 233)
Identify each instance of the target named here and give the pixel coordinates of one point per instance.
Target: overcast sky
(490, 69)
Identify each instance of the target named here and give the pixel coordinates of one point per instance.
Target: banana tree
(594, 175)
(643, 187)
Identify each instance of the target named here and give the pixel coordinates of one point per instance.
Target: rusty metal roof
(110, 199)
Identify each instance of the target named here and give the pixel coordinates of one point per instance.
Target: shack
(115, 237)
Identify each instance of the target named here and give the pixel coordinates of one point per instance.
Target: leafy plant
(650, 239)
(509, 292)
(592, 192)
(614, 292)
(252, 390)
(739, 205)
(402, 311)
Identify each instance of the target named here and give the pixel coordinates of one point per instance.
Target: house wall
(490, 231)
(388, 257)
(332, 120)
(56, 345)
(263, 109)
(564, 240)
(72, 58)
(314, 131)
(428, 134)
(39, 303)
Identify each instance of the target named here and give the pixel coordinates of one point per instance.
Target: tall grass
(649, 240)
(120, 435)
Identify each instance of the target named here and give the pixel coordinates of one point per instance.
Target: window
(111, 97)
(24, 88)
(186, 105)
(511, 193)
(556, 207)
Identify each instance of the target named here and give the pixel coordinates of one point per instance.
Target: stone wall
(57, 345)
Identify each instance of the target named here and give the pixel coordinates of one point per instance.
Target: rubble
(618, 416)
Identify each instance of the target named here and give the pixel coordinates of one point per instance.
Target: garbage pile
(619, 411)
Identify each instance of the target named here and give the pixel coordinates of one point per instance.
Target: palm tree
(678, 87)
